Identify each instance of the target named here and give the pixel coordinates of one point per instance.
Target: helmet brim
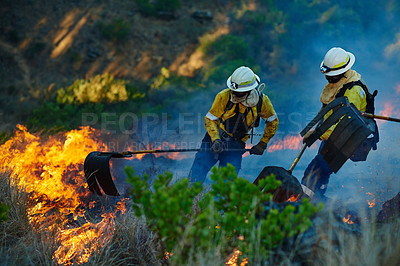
(342, 70)
(243, 89)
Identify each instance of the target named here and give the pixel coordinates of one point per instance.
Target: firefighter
(234, 112)
(342, 81)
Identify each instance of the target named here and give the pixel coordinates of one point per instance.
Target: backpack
(370, 97)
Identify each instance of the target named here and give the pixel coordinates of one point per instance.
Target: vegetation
(4, 136)
(20, 243)
(4, 209)
(282, 41)
(157, 7)
(133, 243)
(225, 54)
(118, 30)
(229, 216)
(102, 93)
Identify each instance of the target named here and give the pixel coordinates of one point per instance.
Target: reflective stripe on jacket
(217, 113)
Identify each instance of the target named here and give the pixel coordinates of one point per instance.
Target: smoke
(375, 43)
(295, 97)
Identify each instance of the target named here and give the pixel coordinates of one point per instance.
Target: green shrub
(4, 136)
(153, 8)
(117, 30)
(35, 48)
(4, 212)
(226, 54)
(100, 94)
(99, 89)
(228, 216)
(55, 117)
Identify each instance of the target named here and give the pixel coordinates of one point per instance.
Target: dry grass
(375, 244)
(20, 243)
(132, 244)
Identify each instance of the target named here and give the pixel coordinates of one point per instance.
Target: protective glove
(217, 146)
(307, 135)
(259, 148)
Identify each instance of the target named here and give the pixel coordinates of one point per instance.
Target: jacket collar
(330, 90)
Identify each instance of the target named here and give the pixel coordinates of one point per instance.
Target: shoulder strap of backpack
(229, 105)
(370, 96)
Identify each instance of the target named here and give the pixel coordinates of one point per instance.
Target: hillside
(165, 52)
(47, 45)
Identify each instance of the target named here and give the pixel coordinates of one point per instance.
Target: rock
(390, 210)
(202, 15)
(93, 53)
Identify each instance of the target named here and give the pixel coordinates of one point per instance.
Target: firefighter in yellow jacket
(235, 111)
(342, 81)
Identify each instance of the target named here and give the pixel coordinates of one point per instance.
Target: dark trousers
(316, 176)
(205, 159)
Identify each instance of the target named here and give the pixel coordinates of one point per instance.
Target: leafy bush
(117, 30)
(99, 89)
(4, 136)
(3, 212)
(153, 8)
(55, 117)
(100, 94)
(229, 216)
(226, 54)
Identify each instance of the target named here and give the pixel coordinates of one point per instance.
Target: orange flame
(51, 171)
(372, 202)
(74, 241)
(347, 220)
(233, 260)
(293, 198)
(388, 109)
(288, 143)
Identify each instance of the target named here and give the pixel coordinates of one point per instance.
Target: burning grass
(130, 242)
(54, 220)
(369, 243)
(21, 244)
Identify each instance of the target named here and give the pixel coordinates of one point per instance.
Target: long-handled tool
(97, 168)
(381, 117)
(290, 186)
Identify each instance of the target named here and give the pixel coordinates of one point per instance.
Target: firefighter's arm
(211, 121)
(212, 128)
(355, 96)
(271, 120)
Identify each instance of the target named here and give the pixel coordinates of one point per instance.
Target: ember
(347, 219)
(371, 203)
(293, 198)
(234, 259)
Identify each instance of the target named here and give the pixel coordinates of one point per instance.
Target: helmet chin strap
(261, 87)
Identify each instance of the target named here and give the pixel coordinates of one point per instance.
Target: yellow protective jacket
(355, 94)
(217, 114)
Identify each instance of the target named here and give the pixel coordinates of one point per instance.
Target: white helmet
(243, 79)
(337, 61)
